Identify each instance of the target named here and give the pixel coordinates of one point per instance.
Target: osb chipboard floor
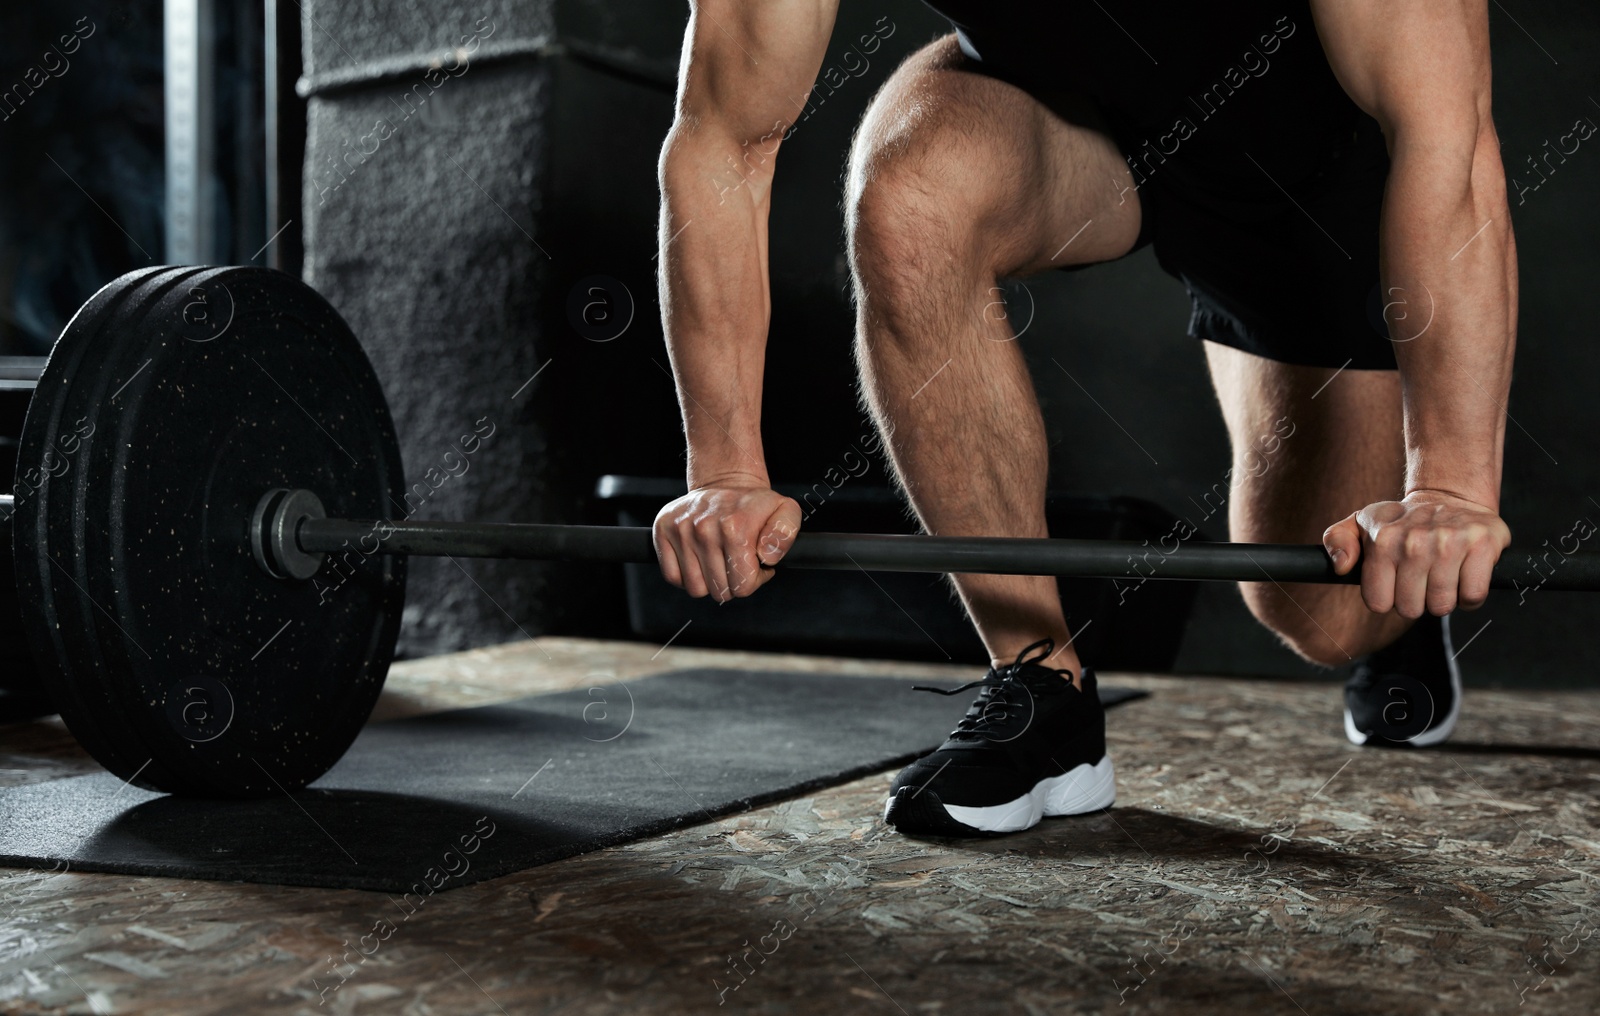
(1254, 862)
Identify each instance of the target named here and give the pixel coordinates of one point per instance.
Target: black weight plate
(22, 693)
(21, 679)
(179, 396)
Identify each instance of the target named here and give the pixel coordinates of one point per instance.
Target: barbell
(292, 525)
(210, 550)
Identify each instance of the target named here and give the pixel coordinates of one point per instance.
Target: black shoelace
(1005, 698)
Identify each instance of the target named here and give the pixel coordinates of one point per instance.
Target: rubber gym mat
(435, 802)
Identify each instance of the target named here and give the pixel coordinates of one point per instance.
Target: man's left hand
(1430, 551)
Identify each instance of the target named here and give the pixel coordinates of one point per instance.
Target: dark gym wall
(1547, 76)
(421, 190)
(81, 137)
(456, 246)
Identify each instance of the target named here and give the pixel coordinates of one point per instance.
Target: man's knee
(1328, 626)
(907, 225)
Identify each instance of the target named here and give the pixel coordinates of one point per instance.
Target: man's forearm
(715, 300)
(1450, 288)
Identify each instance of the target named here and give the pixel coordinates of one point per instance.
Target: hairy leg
(956, 181)
(1310, 446)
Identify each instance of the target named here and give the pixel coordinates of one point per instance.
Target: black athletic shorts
(1260, 181)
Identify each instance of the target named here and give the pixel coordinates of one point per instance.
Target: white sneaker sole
(1083, 789)
(1433, 735)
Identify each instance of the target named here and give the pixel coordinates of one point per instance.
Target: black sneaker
(1408, 693)
(1031, 745)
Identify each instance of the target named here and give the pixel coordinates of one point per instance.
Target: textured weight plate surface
(21, 678)
(171, 402)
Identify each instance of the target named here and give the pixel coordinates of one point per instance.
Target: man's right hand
(723, 539)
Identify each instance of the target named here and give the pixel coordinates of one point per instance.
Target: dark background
(454, 249)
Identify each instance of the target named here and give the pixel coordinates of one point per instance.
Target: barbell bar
(316, 535)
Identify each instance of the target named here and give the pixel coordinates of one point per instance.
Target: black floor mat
(436, 802)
